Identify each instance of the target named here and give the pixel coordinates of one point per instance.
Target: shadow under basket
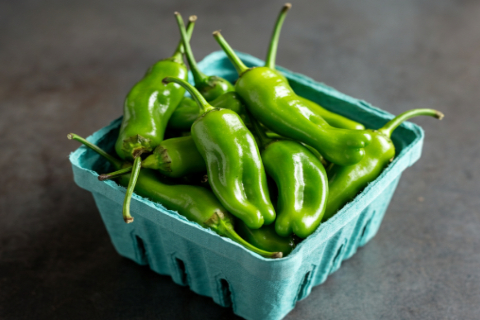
(213, 266)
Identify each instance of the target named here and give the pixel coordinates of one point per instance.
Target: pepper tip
(176, 13)
(216, 33)
(277, 255)
(128, 220)
(287, 6)
(439, 115)
(102, 177)
(70, 136)
(192, 18)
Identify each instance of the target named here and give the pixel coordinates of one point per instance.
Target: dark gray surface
(67, 65)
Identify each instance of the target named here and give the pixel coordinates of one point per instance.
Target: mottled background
(65, 66)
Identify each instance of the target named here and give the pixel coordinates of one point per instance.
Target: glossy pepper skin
(235, 169)
(184, 115)
(302, 185)
(272, 101)
(149, 105)
(346, 182)
(195, 203)
(333, 119)
(188, 111)
(211, 87)
(265, 238)
(146, 112)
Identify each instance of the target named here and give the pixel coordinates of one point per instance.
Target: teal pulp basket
(213, 266)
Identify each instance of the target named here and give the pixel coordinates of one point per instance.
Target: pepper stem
(272, 50)
(180, 50)
(115, 174)
(228, 231)
(390, 126)
(198, 75)
(202, 103)
(117, 163)
(232, 56)
(137, 165)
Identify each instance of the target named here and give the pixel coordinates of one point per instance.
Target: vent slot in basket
(303, 288)
(337, 255)
(225, 293)
(141, 251)
(181, 271)
(366, 231)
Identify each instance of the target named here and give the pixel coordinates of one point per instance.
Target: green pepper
(195, 203)
(302, 184)
(346, 182)
(271, 100)
(234, 166)
(211, 87)
(147, 109)
(174, 158)
(333, 119)
(184, 115)
(265, 238)
(187, 112)
(149, 105)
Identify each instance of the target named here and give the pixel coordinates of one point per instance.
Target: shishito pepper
(235, 169)
(333, 119)
(218, 91)
(147, 109)
(346, 182)
(211, 87)
(265, 238)
(149, 105)
(272, 101)
(187, 112)
(302, 184)
(174, 158)
(195, 203)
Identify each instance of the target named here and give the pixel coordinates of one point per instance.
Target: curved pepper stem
(137, 165)
(234, 59)
(198, 75)
(390, 126)
(115, 174)
(117, 163)
(228, 231)
(202, 103)
(180, 50)
(272, 50)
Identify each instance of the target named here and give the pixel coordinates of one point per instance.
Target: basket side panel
(121, 234)
(357, 232)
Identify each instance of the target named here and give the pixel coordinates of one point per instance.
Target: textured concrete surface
(67, 65)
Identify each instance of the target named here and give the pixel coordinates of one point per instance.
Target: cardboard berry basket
(213, 266)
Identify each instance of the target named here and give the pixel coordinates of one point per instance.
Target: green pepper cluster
(253, 161)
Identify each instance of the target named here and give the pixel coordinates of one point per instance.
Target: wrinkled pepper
(333, 119)
(186, 113)
(195, 203)
(271, 100)
(147, 109)
(302, 184)
(346, 182)
(234, 166)
(211, 87)
(265, 238)
(174, 158)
